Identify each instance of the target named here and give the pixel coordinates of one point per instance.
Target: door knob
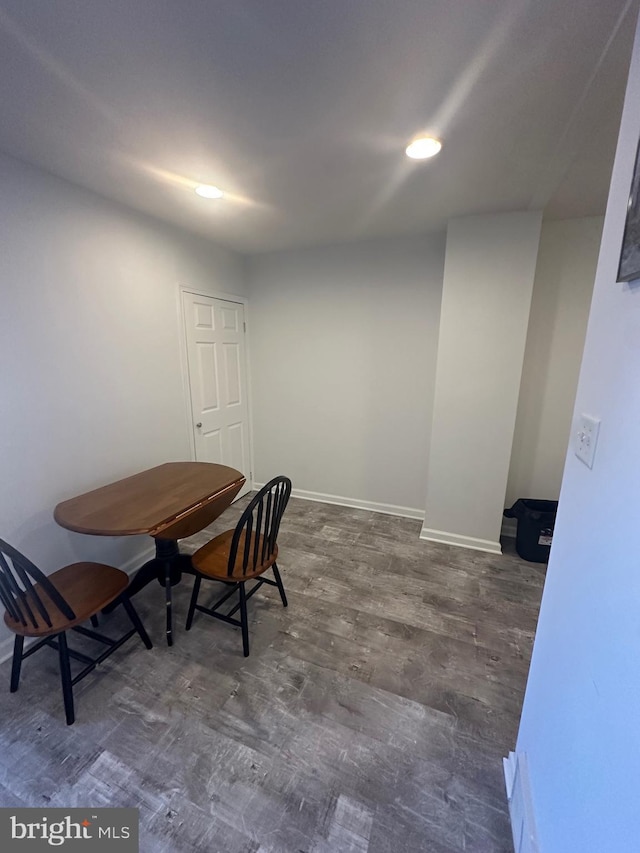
(199, 424)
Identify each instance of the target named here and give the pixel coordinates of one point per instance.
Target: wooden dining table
(168, 502)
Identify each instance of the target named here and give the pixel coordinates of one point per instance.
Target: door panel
(233, 374)
(217, 379)
(210, 446)
(236, 446)
(229, 319)
(207, 376)
(204, 317)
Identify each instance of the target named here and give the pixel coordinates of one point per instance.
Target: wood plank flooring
(371, 716)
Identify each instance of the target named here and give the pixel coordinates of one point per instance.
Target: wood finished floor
(372, 714)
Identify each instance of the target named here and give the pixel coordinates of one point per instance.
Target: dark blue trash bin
(536, 522)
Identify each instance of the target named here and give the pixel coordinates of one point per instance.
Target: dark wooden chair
(244, 554)
(52, 605)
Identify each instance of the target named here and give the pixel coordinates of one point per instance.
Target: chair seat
(213, 559)
(87, 587)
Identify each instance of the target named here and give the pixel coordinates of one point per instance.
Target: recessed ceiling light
(423, 147)
(208, 191)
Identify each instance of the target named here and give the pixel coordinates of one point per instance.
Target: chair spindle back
(19, 595)
(256, 533)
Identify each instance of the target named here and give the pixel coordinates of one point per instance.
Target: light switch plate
(586, 438)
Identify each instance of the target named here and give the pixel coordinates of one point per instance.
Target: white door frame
(186, 385)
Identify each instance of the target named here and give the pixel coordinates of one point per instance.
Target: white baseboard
(130, 567)
(459, 541)
(517, 781)
(355, 503)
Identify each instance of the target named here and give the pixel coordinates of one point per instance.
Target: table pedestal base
(167, 568)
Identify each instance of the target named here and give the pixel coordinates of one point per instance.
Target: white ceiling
(300, 109)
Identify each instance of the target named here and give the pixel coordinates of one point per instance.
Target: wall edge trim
(355, 503)
(520, 801)
(459, 541)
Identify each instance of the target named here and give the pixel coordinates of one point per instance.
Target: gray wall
(580, 718)
(488, 280)
(357, 320)
(343, 348)
(562, 292)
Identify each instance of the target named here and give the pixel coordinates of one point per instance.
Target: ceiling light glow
(208, 191)
(423, 147)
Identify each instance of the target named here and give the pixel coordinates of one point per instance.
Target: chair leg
(16, 666)
(135, 621)
(276, 573)
(65, 677)
(193, 602)
(243, 620)
(94, 621)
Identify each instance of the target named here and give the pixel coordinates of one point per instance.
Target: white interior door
(215, 335)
